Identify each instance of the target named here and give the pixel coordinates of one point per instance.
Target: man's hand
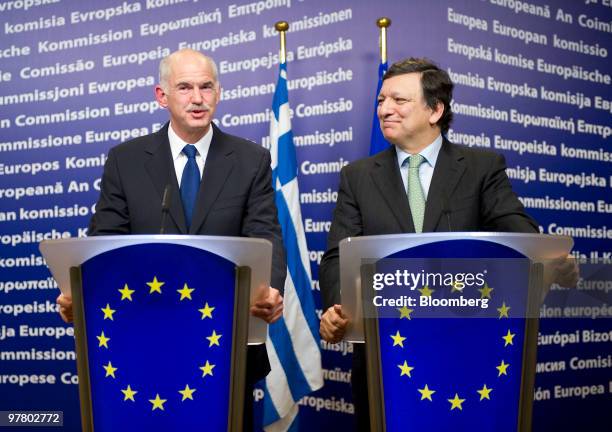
(65, 303)
(333, 324)
(270, 308)
(566, 272)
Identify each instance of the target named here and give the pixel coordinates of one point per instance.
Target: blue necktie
(190, 183)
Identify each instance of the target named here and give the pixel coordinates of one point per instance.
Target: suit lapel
(160, 168)
(217, 168)
(449, 168)
(388, 180)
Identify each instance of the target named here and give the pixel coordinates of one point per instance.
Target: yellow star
(426, 393)
(398, 339)
(485, 291)
(126, 293)
(456, 402)
(508, 338)
(213, 339)
(426, 291)
(110, 370)
(129, 394)
(108, 312)
(405, 312)
(206, 311)
(457, 287)
(185, 292)
(187, 393)
(405, 369)
(103, 341)
(484, 392)
(155, 286)
(502, 368)
(207, 369)
(158, 403)
(503, 310)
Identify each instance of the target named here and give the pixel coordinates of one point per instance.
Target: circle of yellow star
(206, 311)
(108, 312)
(155, 286)
(187, 393)
(456, 402)
(405, 369)
(185, 292)
(158, 403)
(129, 394)
(207, 369)
(126, 292)
(485, 291)
(426, 393)
(398, 339)
(509, 338)
(426, 291)
(502, 368)
(405, 312)
(503, 310)
(484, 392)
(103, 340)
(110, 370)
(213, 339)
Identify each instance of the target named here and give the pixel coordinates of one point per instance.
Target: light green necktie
(416, 197)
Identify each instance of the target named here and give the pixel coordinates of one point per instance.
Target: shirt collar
(430, 153)
(177, 144)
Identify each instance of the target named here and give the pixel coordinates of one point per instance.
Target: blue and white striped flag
(293, 341)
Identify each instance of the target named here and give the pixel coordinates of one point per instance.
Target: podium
(450, 324)
(161, 327)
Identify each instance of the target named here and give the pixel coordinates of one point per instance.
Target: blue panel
(158, 342)
(457, 356)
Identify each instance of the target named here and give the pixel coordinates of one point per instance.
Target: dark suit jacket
(235, 196)
(469, 191)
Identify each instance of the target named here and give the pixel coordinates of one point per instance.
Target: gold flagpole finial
(382, 24)
(282, 27)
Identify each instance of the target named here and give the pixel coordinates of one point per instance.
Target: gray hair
(165, 63)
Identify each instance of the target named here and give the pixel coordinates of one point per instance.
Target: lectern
(450, 325)
(161, 327)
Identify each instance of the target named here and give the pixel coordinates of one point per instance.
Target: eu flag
(159, 338)
(377, 140)
(459, 369)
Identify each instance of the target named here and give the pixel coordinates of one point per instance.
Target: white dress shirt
(180, 159)
(426, 169)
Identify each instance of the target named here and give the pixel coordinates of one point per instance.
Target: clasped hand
(269, 308)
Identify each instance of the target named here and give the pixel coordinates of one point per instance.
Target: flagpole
(377, 140)
(382, 24)
(282, 27)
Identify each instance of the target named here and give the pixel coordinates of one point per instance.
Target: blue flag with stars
(159, 337)
(458, 370)
(377, 140)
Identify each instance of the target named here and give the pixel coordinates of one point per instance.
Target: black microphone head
(166, 198)
(446, 211)
(444, 202)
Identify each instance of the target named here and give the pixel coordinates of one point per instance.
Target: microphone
(446, 211)
(165, 209)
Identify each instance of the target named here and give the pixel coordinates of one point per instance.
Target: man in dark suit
(423, 183)
(217, 184)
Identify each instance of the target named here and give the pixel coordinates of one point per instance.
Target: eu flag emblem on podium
(158, 331)
(454, 369)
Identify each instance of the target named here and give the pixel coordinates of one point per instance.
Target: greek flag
(293, 341)
(377, 140)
